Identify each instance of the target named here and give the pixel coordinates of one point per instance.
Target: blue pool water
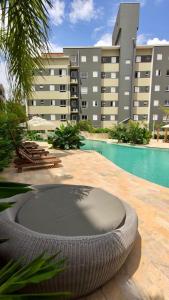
(150, 164)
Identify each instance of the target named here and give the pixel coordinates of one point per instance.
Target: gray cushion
(71, 211)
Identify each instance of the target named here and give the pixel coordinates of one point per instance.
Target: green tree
(23, 34)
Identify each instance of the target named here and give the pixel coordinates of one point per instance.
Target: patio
(146, 271)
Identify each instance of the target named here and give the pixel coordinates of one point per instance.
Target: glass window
(126, 93)
(84, 104)
(128, 62)
(63, 117)
(157, 88)
(95, 74)
(136, 103)
(114, 59)
(62, 88)
(113, 75)
(136, 89)
(167, 73)
(113, 89)
(84, 117)
(34, 102)
(83, 58)
(137, 74)
(41, 86)
(95, 89)
(112, 118)
(126, 107)
(52, 72)
(112, 103)
(52, 102)
(135, 117)
(156, 102)
(127, 77)
(155, 117)
(95, 103)
(73, 59)
(95, 117)
(63, 103)
(84, 75)
(52, 87)
(167, 88)
(138, 59)
(53, 117)
(159, 56)
(95, 58)
(62, 72)
(158, 72)
(41, 101)
(84, 90)
(166, 103)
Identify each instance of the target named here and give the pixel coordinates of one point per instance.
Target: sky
(91, 22)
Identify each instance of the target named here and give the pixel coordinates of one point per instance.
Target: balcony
(73, 96)
(73, 81)
(74, 65)
(74, 110)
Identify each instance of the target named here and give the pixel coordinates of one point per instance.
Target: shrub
(67, 137)
(132, 133)
(33, 135)
(85, 126)
(100, 130)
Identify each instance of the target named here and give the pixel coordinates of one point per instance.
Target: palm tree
(23, 35)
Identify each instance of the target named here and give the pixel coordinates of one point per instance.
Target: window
(126, 107)
(52, 87)
(136, 89)
(34, 102)
(103, 89)
(113, 75)
(95, 89)
(136, 103)
(84, 104)
(158, 72)
(167, 73)
(127, 78)
(41, 86)
(83, 58)
(41, 101)
(62, 88)
(63, 117)
(126, 93)
(157, 88)
(112, 103)
(114, 59)
(95, 103)
(103, 103)
(112, 118)
(53, 117)
(155, 117)
(95, 58)
(166, 103)
(103, 117)
(95, 117)
(62, 72)
(73, 59)
(145, 103)
(138, 59)
(84, 75)
(33, 88)
(159, 56)
(63, 103)
(128, 62)
(167, 88)
(147, 74)
(52, 102)
(84, 117)
(95, 74)
(113, 89)
(135, 117)
(52, 72)
(106, 59)
(137, 74)
(156, 102)
(84, 90)
(103, 75)
(165, 118)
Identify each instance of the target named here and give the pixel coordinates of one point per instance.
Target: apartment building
(106, 85)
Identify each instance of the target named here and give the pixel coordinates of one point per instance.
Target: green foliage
(100, 130)
(33, 135)
(131, 132)
(9, 189)
(85, 126)
(21, 44)
(11, 115)
(67, 137)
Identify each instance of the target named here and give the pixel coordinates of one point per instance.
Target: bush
(100, 130)
(67, 137)
(85, 126)
(33, 135)
(131, 133)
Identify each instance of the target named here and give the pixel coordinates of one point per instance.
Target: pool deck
(145, 274)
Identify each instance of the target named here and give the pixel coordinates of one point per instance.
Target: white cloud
(97, 29)
(57, 12)
(4, 77)
(111, 22)
(142, 39)
(105, 40)
(83, 10)
(55, 47)
(157, 41)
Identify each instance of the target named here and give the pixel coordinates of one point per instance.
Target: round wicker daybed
(94, 230)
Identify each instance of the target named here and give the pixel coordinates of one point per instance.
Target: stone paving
(145, 274)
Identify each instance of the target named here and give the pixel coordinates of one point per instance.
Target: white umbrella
(37, 123)
(165, 126)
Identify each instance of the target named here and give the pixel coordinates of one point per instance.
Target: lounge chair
(30, 145)
(37, 151)
(24, 160)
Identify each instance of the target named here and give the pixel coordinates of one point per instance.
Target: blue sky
(90, 22)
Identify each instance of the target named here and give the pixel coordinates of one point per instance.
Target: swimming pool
(150, 164)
